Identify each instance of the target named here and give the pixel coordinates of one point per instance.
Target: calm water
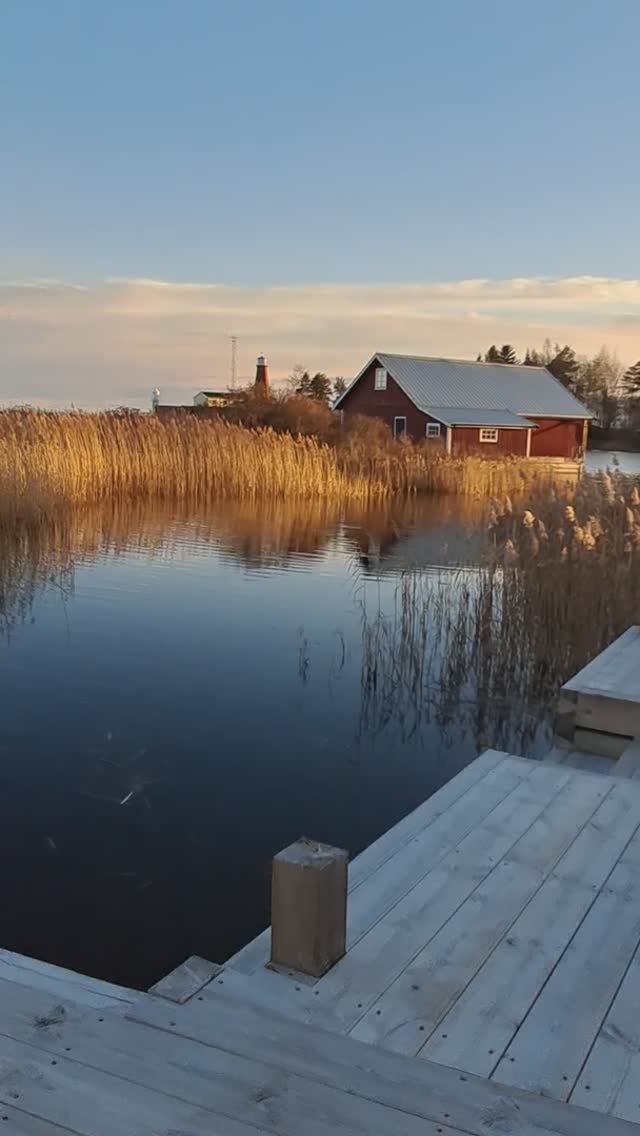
(601, 459)
(183, 695)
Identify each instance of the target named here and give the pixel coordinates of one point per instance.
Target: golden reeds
(486, 650)
(48, 459)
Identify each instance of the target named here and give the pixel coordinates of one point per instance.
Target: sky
(320, 178)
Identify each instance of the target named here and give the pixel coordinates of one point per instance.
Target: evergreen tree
(631, 379)
(339, 386)
(319, 387)
(533, 358)
(492, 355)
(507, 354)
(565, 367)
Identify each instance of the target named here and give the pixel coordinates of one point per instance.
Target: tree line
(318, 386)
(600, 381)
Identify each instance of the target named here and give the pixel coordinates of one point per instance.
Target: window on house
(433, 429)
(399, 426)
(489, 435)
(381, 379)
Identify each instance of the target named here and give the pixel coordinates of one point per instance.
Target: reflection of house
(212, 398)
(464, 407)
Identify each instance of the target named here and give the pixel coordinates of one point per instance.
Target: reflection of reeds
(489, 648)
(48, 460)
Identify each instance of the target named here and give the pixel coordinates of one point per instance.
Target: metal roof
(433, 382)
(458, 416)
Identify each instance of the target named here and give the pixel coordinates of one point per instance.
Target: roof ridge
(469, 362)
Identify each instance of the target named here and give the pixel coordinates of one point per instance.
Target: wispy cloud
(106, 342)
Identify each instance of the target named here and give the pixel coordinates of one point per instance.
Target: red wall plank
(556, 437)
(466, 440)
(364, 399)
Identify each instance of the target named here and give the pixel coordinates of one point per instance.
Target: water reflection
(270, 535)
(187, 691)
(175, 679)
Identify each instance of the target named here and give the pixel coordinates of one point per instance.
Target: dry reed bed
(48, 459)
(487, 649)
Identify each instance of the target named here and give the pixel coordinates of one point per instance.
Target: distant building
(262, 377)
(465, 407)
(213, 398)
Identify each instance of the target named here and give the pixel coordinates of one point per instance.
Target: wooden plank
(548, 1051)
(186, 980)
(408, 1012)
(628, 765)
(399, 874)
(557, 755)
(469, 1104)
(599, 743)
(608, 715)
(256, 953)
(615, 672)
(610, 1080)
(93, 1103)
(15, 1122)
(155, 1074)
(375, 855)
(60, 988)
(590, 762)
(477, 1030)
(279, 993)
(45, 974)
(344, 996)
(565, 718)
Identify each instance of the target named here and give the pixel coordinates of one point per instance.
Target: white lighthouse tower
(155, 399)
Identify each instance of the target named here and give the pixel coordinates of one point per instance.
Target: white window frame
(489, 434)
(380, 379)
(400, 418)
(433, 430)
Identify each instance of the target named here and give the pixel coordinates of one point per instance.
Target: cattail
(596, 527)
(529, 543)
(510, 554)
(570, 514)
(607, 485)
(588, 539)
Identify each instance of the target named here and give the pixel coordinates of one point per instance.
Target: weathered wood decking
(491, 984)
(599, 708)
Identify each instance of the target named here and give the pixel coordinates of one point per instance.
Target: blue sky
(356, 143)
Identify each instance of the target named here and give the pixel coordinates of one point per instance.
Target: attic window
(489, 435)
(381, 379)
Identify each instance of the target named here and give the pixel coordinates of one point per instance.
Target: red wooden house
(467, 407)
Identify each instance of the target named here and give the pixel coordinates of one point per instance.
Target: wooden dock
(490, 984)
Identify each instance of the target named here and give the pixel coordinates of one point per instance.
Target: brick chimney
(262, 377)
